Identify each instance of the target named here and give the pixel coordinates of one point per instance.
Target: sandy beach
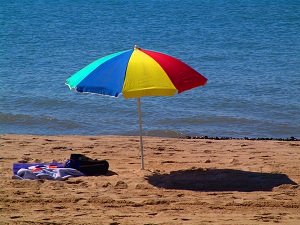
(185, 181)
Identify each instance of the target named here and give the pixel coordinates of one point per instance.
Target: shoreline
(291, 138)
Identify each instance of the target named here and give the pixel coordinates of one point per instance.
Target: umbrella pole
(141, 134)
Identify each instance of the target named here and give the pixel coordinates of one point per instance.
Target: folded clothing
(86, 165)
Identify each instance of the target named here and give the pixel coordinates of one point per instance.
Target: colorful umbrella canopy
(136, 73)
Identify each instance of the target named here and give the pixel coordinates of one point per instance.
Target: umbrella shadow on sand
(219, 180)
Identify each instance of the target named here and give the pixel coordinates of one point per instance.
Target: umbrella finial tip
(136, 47)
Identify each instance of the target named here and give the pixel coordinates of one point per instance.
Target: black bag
(86, 165)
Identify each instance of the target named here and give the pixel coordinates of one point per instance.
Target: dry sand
(185, 181)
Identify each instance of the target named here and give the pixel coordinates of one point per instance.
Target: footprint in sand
(121, 185)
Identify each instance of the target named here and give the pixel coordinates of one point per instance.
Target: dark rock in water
(244, 138)
(187, 137)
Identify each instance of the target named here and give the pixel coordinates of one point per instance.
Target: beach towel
(18, 166)
(48, 171)
(77, 165)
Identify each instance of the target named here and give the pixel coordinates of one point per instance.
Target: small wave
(23, 123)
(165, 133)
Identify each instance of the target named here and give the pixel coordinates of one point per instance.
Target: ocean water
(248, 50)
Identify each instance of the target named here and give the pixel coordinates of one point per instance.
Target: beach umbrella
(136, 73)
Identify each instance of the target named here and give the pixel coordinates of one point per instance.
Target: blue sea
(248, 50)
